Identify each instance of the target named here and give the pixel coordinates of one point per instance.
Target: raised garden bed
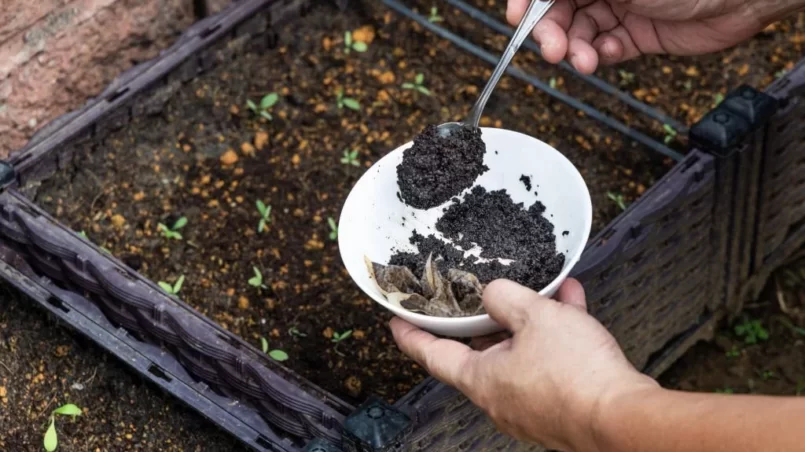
(164, 144)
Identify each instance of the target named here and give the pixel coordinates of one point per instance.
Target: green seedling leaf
(51, 438)
(83, 234)
(408, 86)
(178, 286)
(166, 287)
(278, 355)
(352, 104)
(293, 331)
(669, 130)
(261, 207)
(257, 279)
(180, 223)
(420, 79)
(338, 337)
(423, 90)
(333, 228)
(360, 47)
(552, 82)
(266, 115)
(348, 39)
(252, 106)
(68, 409)
(269, 101)
(264, 344)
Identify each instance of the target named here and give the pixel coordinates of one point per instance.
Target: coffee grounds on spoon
(435, 169)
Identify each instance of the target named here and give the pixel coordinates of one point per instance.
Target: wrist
(610, 412)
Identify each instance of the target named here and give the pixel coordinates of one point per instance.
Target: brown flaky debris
(456, 294)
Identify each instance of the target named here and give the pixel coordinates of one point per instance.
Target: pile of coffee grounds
(435, 168)
(526, 180)
(503, 229)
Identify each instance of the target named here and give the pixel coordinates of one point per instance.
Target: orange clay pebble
(229, 157)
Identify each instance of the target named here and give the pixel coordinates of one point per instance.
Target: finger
(509, 303)
(447, 361)
(515, 10)
(588, 22)
(572, 292)
(551, 32)
(615, 46)
(484, 342)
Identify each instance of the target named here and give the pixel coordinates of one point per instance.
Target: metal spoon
(536, 11)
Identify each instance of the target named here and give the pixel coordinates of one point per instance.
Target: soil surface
(207, 158)
(435, 168)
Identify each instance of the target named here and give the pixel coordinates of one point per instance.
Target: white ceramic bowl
(374, 221)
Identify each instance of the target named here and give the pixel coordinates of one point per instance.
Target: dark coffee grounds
(526, 180)
(436, 168)
(502, 229)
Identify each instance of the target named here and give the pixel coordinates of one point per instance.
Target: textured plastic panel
(781, 206)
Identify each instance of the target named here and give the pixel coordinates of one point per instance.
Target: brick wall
(55, 54)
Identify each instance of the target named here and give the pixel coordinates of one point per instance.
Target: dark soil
(436, 168)
(206, 158)
(526, 180)
(43, 366)
(502, 229)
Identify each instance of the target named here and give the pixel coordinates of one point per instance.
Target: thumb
(446, 360)
(510, 304)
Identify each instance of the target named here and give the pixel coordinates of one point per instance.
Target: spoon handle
(536, 10)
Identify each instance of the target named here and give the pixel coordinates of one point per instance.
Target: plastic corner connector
(376, 427)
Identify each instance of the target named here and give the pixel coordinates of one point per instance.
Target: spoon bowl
(375, 223)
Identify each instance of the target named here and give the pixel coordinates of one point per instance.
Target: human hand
(592, 32)
(548, 381)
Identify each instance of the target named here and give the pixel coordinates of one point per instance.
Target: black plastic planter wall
(690, 250)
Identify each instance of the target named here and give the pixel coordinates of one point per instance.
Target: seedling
(333, 228)
(294, 331)
(780, 73)
(626, 77)
(268, 101)
(265, 215)
(172, 289)
(688, 85)
(670, 133)
(718, 98)
(338, 337)
(726, 390)
(767, 375)
(350, 158)
(434, 16)
(418, 85)
(350, 44)
(617, 198)
(257, 279)
(83, 234)
(552, 82)
(751, 331)
(276, 355)
(733, 353)
(51, 437)
(347, 102)
(173, 231)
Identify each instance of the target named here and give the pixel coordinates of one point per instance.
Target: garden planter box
(698, 243)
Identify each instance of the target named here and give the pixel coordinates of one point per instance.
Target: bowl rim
(468, 320)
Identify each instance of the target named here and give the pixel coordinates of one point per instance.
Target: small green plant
(350, 44)
(688, 85)
(733, 353)
(268, 101)
(552, 82)
(257, 279)
(346, 102)
(726, 390)
(350, 158)
(751, 331)
(333, 228)
(265, 215)
(339, 337)
(51, 441)
(781, 73)
(670, 133)
(717, 99)
(172, 232)
(83, 234)
(618, 199)
(172, 289)
(276, 354)
(767, 375)
(418, 85)
(294, 331)
(626, 77)
(434, 16)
